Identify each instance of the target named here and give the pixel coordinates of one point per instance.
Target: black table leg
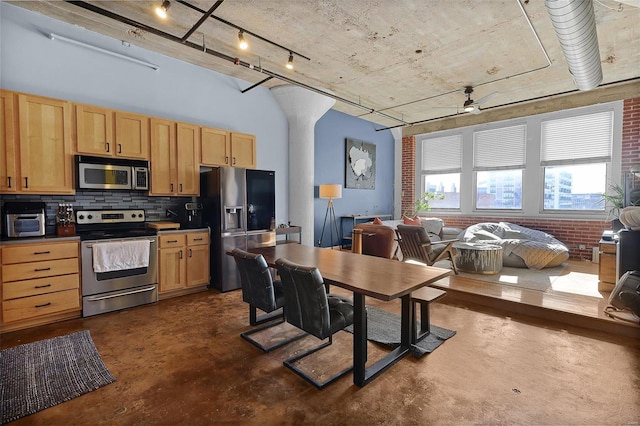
(359, 340)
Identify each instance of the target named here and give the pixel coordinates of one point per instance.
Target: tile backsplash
(155, 207)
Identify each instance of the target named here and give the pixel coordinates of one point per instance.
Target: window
(441, 167)
(574, 153)
(498, 160)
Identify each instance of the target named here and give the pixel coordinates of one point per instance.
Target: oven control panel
(86, 217)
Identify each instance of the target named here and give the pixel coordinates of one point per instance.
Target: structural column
(302, 108)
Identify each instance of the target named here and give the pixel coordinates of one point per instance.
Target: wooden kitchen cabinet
(94, 130)
(175, 160)
(44, 146)
(132, 135)
(40, 284)
(243, 150)
(607, 277)
(224, 148)
(183, 261)
(8, 143)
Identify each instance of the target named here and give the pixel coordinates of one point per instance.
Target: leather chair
(260, 291)
(310, 308)
(377, 240)
(415, 245)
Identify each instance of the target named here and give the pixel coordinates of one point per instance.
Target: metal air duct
(575, 24)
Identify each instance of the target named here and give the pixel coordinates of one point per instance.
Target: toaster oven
(24, 219)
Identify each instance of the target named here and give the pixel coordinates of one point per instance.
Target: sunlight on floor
(577, 283)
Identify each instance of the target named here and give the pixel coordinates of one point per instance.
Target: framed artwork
(361, 165)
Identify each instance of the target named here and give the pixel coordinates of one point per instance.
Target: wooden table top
(377, 277)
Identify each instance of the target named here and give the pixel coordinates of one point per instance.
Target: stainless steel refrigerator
(239, 207)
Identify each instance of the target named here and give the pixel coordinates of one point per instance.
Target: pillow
(377, 221)
(408, 221)
(481, 234)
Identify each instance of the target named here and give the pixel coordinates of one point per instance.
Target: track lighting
(161, 10)
(290, 61)
(242, 43)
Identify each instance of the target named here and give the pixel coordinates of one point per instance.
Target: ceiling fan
(474, 106)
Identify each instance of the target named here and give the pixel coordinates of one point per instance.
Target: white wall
(30, 62)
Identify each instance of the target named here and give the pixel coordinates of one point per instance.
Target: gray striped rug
(42, 374)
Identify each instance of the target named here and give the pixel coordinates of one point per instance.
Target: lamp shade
(330, 191)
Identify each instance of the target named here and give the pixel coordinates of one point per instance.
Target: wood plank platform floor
(573, 298)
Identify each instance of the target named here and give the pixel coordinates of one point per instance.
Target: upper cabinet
(175, 159)
(94, 130)
(223, 148)
(8, 161)
(243, 150)
(132, 135)
(44, 145)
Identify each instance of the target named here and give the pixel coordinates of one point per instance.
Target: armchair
(415, 245)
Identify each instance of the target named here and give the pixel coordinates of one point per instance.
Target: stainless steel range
(121, 275)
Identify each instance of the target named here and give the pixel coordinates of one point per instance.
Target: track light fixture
(290, 61)
(161, 10)
(242, 43)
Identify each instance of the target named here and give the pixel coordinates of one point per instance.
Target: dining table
(376, 277)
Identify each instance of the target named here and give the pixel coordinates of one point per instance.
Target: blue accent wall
(331, 132)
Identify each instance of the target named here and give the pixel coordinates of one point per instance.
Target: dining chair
(261, 291)
(309, 307)
(415, 244)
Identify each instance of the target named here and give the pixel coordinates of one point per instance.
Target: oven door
(109, 291)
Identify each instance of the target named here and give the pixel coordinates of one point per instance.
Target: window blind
(580, 139)
(499, 149)
(442, 154)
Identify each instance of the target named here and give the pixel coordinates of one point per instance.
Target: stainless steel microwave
(111, 173)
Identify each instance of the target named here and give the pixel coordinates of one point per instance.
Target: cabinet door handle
(226, 160)
(26, 182)
(43, 286)
(119, 148)
(171, 187)
(41, 252)
(180, 254)
(180, 187)
(172, 241)
(234, 161)
(198, 239)
(9, 181)
(190, 253)
(42, 269)
(108, 147)
(43, 305)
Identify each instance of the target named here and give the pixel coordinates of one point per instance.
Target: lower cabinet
(40, 284)
(183, 262)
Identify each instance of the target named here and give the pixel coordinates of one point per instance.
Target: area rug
(384, 327)
(532, 279)
(42, 374)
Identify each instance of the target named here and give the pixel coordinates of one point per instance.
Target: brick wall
(571, 232)
(630, 133)
(408, 173)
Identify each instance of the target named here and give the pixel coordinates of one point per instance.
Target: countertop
(45, 239)
(181, 230)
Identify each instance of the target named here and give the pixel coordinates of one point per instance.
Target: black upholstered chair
(310, 308)
(260, 291)
(415, 244)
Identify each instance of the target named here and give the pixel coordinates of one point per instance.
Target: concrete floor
(182, 361)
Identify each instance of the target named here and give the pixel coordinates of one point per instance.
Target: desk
(354, 219)
(382, 279)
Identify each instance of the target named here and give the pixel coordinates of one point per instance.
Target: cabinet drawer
(50, 268)
(608, 248)
(35, 306)
(37, 252)
(197, 238)
(16, 289)
(172, 240)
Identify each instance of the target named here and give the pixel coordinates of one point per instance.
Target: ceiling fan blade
(487, 98)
